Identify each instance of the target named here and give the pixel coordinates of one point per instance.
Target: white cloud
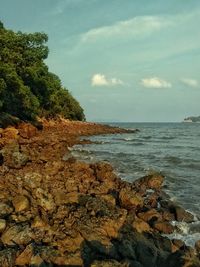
(190, 82)
(155, 82)
(136, 27)
(101, 80)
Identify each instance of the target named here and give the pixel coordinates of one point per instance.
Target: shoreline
(71, 213)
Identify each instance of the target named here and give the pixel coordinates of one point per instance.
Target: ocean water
(170, 148)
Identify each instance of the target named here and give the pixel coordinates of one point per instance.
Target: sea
(170, 148)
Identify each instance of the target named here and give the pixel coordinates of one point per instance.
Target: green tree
(27, 88)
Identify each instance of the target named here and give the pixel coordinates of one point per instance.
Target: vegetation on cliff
(192, 119)
(27, 88)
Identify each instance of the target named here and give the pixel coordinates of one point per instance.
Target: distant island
(192, 119)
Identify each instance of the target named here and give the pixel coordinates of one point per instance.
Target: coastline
(60, 211)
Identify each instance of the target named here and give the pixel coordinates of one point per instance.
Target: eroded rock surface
(56, 211)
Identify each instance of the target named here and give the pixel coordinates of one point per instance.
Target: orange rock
(10, 133)
(25, 257)
(2, 225)
(20, 203)
(150, 214)
(27, 130)
(130, 199)
(141, 226)
(164, 227)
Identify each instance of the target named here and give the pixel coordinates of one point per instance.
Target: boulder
(153, 181)
(164, 227)
(150, 215)
(183, 215)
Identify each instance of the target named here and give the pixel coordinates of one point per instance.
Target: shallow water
(171, 148)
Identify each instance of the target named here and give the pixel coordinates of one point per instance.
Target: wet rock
(164, 227)
(182, 215)
(17, 234)
(20, 203)
(2, 225)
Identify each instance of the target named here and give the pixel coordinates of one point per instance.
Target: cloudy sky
(124, 60)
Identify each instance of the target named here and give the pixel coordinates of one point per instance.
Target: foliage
(27, 88)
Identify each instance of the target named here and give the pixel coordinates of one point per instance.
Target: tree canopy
(27, 88)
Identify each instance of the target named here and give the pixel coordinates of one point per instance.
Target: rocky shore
(57, 211)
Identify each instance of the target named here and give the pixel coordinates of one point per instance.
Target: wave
(173, 159)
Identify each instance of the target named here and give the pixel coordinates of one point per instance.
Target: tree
(27, 88)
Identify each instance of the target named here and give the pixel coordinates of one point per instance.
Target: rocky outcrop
(56, 211)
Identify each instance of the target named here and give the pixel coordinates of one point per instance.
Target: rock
(182, 215)
(197, 247)
(27, 130)
(20, 203)
(141, 226)
(74, 259)
(38, 223)
(177, 244)
(7, 257)
(150, 215)
(146, 254)
(110, 199)
(71, 244)
(45, 199)
(130, 199)
(36, 260)
(153, 181)
(2, 225)
(109, 263)
(5, 210)
(17, 234)
(25, 257)
(12, 156)
(164, 227)
(10, 133)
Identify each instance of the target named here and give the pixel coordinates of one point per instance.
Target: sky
(124, 60)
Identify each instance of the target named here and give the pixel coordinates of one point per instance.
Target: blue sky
(124, 60)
